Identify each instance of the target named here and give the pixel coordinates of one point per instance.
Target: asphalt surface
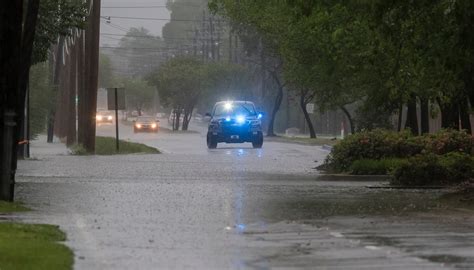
(233, 208)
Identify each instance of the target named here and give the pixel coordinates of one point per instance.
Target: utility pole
(92, 72)
(81, 93)
(71, 122)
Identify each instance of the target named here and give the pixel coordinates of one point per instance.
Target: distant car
(104, 117)
(235, 122)
(146, 124)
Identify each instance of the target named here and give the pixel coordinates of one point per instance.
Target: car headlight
(110, 117)
(138, 126)
(153, 125)
(99, 117)
(240, 119)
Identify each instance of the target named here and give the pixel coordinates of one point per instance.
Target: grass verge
(33, 246)
(7, 207)
(106, 146)
(301, 140)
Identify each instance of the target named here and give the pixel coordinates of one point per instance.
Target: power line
(135, 7)
(149, 37)
(149, 19)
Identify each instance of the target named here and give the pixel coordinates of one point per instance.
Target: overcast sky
(131, 8)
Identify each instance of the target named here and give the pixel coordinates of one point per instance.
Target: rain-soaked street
(233, 208)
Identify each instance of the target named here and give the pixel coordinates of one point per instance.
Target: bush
(459, 166)
(432, 169)
(376, 144)
(78, 149)
(375, 167)
(382, 144)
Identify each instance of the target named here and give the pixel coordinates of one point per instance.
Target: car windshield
(145, 119)
(224, 109)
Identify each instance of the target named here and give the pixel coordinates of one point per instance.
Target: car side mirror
(208, 115)
(157, 121)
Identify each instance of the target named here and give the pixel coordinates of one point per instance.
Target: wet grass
(356, 202)
(8, 207)
(28, 246)
(107, 146)
(302, 140)
(31, 246)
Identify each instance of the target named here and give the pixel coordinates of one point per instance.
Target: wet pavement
(234, 208)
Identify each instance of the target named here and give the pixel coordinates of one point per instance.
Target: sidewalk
(40, 147)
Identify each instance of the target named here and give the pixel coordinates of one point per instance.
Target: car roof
(235, 101)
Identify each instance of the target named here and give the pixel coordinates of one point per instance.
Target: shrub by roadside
(443, 158)
(375, 167)
(382, 144)
(432, 169)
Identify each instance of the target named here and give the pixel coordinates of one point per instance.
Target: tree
(184, 81)
(138, 93)
(106, 76)
(41, 93)
(143, 51)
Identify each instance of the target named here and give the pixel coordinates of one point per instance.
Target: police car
(235, 122)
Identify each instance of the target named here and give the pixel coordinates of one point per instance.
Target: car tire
(258, 141)
(211, 141)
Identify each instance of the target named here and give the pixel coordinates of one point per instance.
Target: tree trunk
(81, 91)
(188, 113)
(412, 118)
(303, 103)
(56, 69)
(449, 115)
(276, 107)
(400, 118)
(464, 114)
(425, 116)
(176, 122)
(71, 123)
(29, 30)
(349, 118)
(11, 14)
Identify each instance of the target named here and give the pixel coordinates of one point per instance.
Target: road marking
(372, 248)
(336, 234)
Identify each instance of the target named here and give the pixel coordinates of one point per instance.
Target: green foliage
(183, 81)
(8, 207)
(382, 144)
(33, 246)
(139, 93)
(376, 144)
(78, 150)
(41, 97)
(432, 169)
(56, 18)
(140, 49)
(106, 76)
(375, 166)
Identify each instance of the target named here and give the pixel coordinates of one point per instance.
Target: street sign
(120, 98)
(310, 108)
(116, 101)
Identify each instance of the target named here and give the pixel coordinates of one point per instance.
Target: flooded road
(233, 208)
